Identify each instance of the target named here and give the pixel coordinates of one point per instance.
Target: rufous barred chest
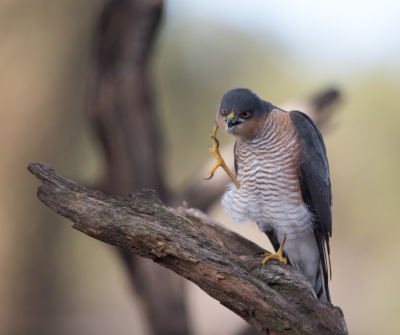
(268, 174)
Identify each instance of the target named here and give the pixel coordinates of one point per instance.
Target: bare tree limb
(275, 300)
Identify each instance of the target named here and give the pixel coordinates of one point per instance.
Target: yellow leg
(278, 255)
(220, 162)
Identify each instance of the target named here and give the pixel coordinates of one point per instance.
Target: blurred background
(53, 89)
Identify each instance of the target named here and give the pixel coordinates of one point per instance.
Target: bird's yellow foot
(278, 255)
(220, 162)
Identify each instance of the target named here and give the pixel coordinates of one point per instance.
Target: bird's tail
(321, 285)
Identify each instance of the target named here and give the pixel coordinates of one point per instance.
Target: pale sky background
(337, 38)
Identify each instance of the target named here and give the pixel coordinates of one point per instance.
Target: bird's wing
(234, 157)
(315, 182)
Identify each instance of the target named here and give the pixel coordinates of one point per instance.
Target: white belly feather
(268, 207)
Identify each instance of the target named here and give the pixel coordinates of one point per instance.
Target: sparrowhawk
(282, 183)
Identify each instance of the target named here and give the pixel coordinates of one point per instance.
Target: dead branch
(275, 300)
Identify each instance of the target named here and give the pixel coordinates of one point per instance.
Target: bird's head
(240, 113)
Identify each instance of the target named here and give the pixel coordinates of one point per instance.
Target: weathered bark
(276, 300)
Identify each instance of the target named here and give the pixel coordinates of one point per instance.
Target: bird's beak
(232, 121)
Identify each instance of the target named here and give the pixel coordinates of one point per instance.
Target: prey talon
(220, 162)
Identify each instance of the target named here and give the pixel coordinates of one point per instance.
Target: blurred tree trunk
(121, 107)
(40, 110)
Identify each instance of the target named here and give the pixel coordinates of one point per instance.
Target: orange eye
(245, 114)
(223, 112)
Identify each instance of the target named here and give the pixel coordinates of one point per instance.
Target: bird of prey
(282, 182)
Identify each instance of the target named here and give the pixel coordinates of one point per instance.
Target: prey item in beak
(232, 121)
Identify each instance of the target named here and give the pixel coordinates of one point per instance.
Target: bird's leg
(278, 255)
(220, 162)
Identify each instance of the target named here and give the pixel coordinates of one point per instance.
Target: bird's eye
(245, 114)
(223, 112)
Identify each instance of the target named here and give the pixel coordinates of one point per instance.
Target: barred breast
(268, 174)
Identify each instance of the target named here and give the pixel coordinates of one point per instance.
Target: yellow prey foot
(278, 255)
(220, 162)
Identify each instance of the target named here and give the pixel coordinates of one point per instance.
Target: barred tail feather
(321, 287)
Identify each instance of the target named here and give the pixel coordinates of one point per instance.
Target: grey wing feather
(315, 182)
(234, 157)
(315, 169)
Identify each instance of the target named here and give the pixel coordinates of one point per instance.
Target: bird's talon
(220, 162)
(278, 256)
(257, 253)
(212, 175)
